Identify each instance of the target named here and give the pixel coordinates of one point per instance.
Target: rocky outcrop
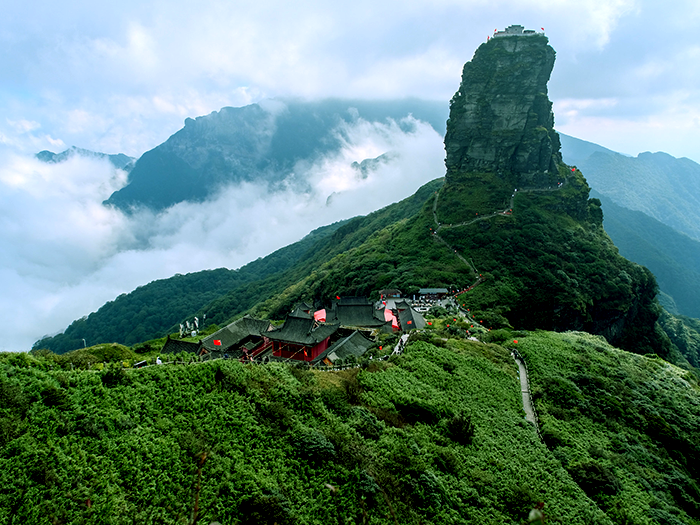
(547, 261)
(501, 119)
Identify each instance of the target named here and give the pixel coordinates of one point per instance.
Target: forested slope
(436, 435)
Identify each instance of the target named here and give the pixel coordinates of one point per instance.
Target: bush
(595, 479)
(266, 509)
(461, 429)
(313, 446)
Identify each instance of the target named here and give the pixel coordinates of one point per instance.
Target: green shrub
(313, 446)
(461, 429)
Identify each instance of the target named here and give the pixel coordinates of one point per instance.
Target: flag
(217, 342)
(409, 322)
(337, 297)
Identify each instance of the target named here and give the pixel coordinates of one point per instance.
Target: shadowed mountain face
(263, 143)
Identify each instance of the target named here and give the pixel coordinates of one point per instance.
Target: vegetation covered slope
(155, 309)
(625, 427)
(435, 435)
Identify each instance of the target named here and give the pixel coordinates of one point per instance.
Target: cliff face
(501, 119)
(542, 255)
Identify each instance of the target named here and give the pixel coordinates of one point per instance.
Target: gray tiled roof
(175, 346)
(236, 332)
(416, 320)
(303, 331)
(355, 344)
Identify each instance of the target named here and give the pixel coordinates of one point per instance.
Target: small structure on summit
(514, 30)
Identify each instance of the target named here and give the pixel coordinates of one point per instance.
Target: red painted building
(301, 338)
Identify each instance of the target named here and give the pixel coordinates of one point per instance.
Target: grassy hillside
(436, 435)
(626, 427)
(156, 309)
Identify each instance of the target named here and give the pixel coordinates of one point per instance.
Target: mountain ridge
(262, 142)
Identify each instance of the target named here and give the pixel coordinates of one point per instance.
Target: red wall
(296, 352)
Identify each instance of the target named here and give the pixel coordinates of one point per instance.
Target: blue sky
(122, 77)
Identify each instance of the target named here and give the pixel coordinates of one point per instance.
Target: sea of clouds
(64, 254)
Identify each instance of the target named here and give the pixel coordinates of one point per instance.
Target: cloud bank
(122, 77)
(65, 254)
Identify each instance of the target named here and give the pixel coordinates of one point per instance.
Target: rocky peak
(501, 119)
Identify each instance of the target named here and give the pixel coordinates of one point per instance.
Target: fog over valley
(66, 253)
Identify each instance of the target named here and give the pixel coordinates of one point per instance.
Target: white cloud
(64, 254)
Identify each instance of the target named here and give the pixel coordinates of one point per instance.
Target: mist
(65, 254)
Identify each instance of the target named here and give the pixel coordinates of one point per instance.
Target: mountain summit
(501, 119)
(522, 216)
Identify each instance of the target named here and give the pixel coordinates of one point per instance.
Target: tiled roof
(175, 346)
(300, 330)
(234, 333)
(355, 344)
(410, 319)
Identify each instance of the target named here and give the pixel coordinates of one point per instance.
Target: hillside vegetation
(435, 435)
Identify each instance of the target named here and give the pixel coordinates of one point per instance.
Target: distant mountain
(120, 161)
(261, 142)
(673, 257)
(661, 186)
(576, 151)
(663, 242)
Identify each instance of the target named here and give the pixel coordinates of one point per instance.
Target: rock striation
(501, 119)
